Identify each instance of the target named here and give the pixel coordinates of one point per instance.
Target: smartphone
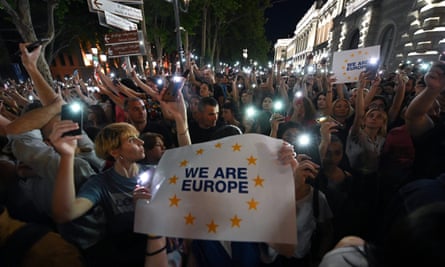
(174, 85)
(74, 113)
(372, 70)
(36, 44)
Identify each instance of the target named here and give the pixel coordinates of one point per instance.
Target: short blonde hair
(109, 138)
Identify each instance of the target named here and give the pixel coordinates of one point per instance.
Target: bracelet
(149, 254)
(185, 131)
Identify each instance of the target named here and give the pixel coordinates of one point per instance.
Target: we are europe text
(223, 180)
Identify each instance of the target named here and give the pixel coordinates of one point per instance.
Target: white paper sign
(230, 189)
(348, 64)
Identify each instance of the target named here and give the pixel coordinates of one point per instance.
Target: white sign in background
(119, 22)
(230, 189)
(117, 9)
(348, 64)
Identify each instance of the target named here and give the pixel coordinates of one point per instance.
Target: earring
(120, 157)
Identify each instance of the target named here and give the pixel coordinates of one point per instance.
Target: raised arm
(65, 205)
(359, 106)
(34, 119)
(115, 98)
(373, 91)
(29, 61)
(394, 110)
(416, 117)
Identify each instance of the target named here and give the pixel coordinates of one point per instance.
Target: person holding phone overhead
(37, 159)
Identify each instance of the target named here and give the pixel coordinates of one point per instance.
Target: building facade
(409, 31)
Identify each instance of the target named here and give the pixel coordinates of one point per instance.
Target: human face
(204, 90)
(246, 98)
(291, 82)
(209, 116)
(321, 102)
(435, 78)
(299, 107)
(227, 115)
(334, 154)
(267, 103)
(136, 112)
(155, 154)
(352, 97)
(377, 104)
(194, 104)
(409, 87)
(131, 149)
(290, 135)
(341, 109)
(375, 119)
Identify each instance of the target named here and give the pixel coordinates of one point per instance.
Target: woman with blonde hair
(364, 147)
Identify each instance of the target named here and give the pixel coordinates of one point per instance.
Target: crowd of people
(367, 160)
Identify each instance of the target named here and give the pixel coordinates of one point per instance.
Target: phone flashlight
(304, 140)
(74, 113)
(250, 112)
(298, 94)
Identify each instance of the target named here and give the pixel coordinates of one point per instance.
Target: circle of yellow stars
(235, 221)
(346, 61)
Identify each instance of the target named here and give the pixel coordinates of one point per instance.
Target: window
(386, 42)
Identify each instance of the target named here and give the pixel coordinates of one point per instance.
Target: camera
(174, 85)
(74, 113)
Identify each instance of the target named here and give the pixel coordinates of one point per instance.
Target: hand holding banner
(229, 189)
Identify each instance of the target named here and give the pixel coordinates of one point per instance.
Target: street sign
(130, 1)
(119, 22)
(116, 9)
(123, 37)
(121, 50)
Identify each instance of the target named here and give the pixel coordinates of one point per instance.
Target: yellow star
(252, 204)
(173, 180)
(346, 61)
(211, 227)
(236, 147)
(349, 77)
(184, 163)
(360, 52)
(251, 160)
(258, 181)
(218, 145)
(366, 53)
(344, 74)
(352, 55)
(174, 201)
(236, 221)
(189, 219)
(199, 151)
(343, 67)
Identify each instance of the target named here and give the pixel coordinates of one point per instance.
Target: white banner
(230, 189)
(348, 64)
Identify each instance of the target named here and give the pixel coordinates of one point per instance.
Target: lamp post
(176, 8)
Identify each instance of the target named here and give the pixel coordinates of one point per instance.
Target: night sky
(283, 18)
